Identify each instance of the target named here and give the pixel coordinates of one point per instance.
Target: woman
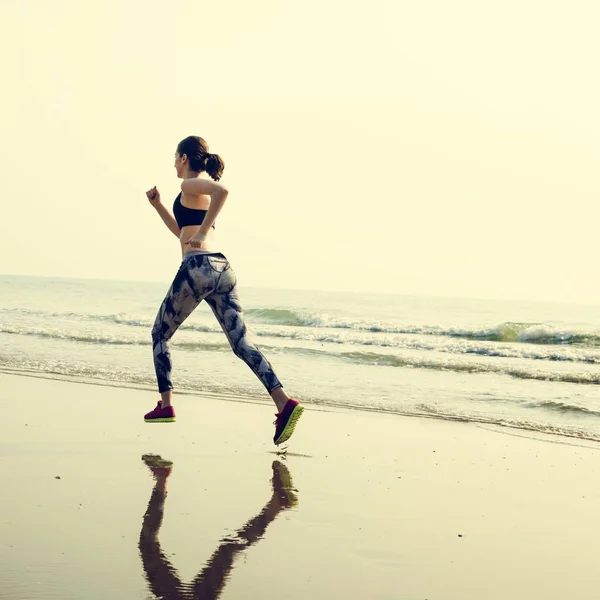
(205, 274)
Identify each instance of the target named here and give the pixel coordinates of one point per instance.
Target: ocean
(524, 365)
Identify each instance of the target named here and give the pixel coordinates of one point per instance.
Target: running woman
(205, 274)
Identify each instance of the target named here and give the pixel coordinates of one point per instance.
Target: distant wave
(509, 332)
(135, 336)
(526, 333)
(472, 367)
(104, 338)
(565, 407)
(445, 345)
(357, 356)
(282, 316)
(530, 333)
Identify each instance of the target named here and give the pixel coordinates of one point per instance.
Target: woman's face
(179, 164)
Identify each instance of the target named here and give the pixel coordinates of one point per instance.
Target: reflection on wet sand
(210, 581)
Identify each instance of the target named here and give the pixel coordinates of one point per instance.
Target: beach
(378, 506)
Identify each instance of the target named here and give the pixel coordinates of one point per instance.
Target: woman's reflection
(210, 581)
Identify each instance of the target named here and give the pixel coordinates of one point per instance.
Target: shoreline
(518, 430)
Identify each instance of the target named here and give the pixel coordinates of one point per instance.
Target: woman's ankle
(279, 397)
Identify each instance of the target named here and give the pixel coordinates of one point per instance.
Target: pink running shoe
(160, 414)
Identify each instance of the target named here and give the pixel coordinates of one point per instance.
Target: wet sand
(362, 506)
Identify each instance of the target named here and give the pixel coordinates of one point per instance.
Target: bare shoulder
(197, 186)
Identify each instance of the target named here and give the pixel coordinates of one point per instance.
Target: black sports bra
(187, 216)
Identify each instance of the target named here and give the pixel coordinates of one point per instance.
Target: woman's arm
(168, 219)
(153, 196)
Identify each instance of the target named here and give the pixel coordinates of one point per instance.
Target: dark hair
(196, 149)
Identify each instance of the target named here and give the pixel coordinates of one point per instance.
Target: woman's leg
(187, 291)
(225, 304)
(227, 308)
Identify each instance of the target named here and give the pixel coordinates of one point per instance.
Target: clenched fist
(153, 196)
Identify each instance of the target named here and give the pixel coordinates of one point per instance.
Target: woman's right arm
(153, 196)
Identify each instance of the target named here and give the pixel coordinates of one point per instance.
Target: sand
(381, 507)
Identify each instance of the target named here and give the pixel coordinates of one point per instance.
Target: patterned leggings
(206, 277)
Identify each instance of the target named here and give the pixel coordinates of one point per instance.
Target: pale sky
(422, 147)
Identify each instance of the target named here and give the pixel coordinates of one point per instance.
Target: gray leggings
(206, 277)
